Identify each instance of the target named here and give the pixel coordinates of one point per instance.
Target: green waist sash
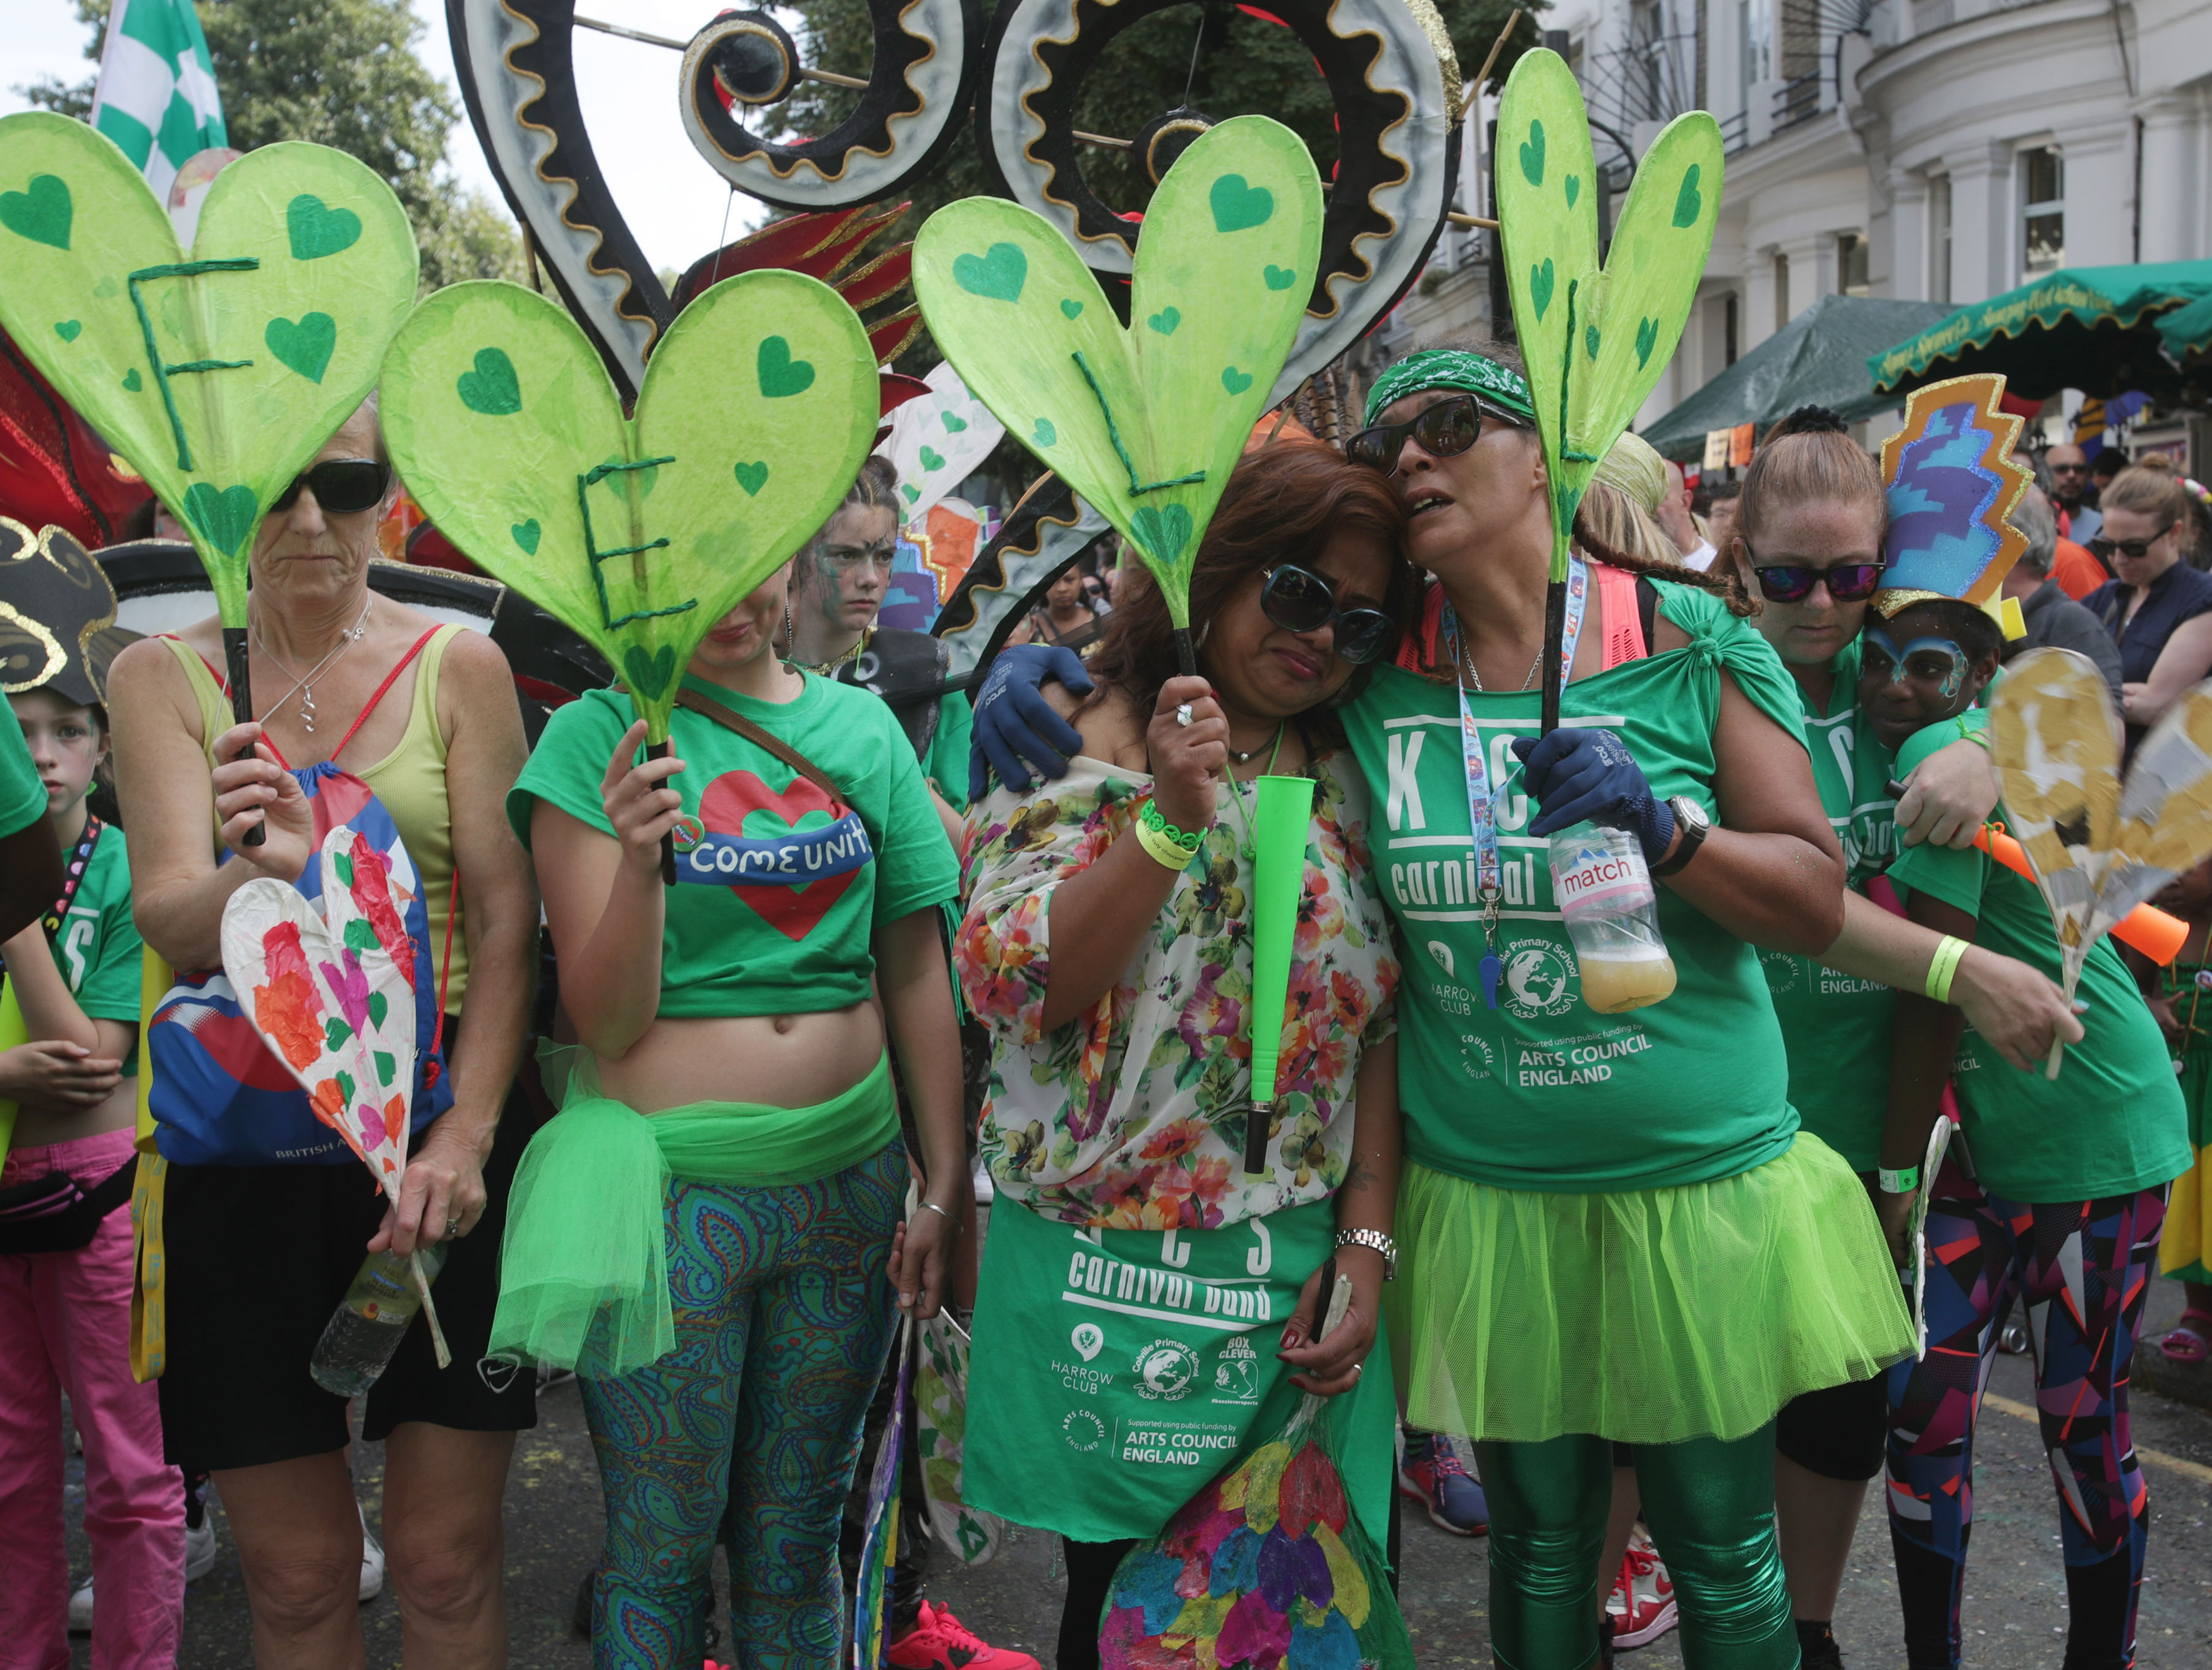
(584, 1264)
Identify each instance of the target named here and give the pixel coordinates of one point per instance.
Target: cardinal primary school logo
(789, 855)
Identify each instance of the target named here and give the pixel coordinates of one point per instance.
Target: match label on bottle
(1600, 878)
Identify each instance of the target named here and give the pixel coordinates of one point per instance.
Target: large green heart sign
(1596, 338)
(1148, 422)
(218, 374)
(758, 408)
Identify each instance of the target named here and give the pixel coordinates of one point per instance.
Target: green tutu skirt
(1648, 1317)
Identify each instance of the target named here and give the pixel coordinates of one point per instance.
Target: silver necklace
(347, 639)
(1467, 658)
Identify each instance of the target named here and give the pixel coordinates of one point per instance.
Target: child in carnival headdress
(2060, 1195)
(69, 1031)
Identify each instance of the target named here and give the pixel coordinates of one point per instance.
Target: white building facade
(1941, 150)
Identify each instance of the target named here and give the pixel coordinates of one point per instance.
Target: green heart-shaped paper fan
(220, 373)
(1595, 340)
(1149, 424)
(759, 405)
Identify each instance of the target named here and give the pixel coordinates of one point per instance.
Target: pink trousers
(66, 1325)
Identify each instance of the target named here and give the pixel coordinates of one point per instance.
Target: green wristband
(1899, 1182)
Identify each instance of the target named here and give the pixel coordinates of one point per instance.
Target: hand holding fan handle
(658, 751)
(237, 668)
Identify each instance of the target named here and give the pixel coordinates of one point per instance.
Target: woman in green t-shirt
(705, 1231)
(1614, 1229)
(2060, 1204)
(1808, 546)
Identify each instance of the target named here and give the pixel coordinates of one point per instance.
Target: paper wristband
(1943, 966)
(1161, 846)
(1899, 1182)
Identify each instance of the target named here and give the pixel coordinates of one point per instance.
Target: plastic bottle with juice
(1604, 891)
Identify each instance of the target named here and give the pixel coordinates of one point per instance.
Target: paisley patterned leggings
(783, 1316)
(2083, 1268)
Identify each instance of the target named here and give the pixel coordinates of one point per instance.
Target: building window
(2042, 211)
(1939, 238)
(1781, 291)
(1852, 265)
(1728, 333)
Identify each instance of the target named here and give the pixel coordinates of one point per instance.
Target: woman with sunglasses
(258, 1256)
(1808, 546)
(1594, 1200)
(2158, 610)
(1146, 1303)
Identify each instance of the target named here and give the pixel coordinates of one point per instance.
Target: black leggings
(1091, 1567)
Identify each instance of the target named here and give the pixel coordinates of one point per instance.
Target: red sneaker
(1642, 1604)
(939, 1640)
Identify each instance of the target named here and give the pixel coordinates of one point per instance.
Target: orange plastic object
(2147, 928)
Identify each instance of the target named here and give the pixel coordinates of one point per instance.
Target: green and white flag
(157, 97)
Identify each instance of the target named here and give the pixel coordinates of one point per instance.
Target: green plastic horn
(1146, 423)
(1282, 817)
(1596, 336)
(219, 373)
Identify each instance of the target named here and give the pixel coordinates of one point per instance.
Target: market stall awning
(2187, 334)
(1818, 359)
(2088, 328)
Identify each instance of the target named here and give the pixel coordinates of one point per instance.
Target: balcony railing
(1797, 100)
(1735, 133)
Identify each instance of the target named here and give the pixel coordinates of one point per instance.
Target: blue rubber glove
(1016, 729)
(1576, 776)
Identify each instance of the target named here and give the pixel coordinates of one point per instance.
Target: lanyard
(72, 875)
(1481, 799)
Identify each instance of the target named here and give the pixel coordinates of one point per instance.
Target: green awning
(2088, 328)
(2187, 334)
(1818, 359)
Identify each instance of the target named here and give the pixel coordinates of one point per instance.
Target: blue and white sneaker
(1434, 1475)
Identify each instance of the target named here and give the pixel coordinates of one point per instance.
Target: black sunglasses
(1793, 582)
(342, 486)
(2133, 549)
(1299, 600)
(1444, 430)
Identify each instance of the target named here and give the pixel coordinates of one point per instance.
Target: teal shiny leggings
(1711, 1508)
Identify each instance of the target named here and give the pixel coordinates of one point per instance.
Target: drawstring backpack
(218, 1096)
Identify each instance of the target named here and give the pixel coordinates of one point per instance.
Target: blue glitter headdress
(1953, 486)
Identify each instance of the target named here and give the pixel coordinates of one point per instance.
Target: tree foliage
(342, 73)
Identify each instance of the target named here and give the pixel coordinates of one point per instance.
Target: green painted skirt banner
(1129, 1366)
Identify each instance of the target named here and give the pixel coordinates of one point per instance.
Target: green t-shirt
(98, 950)
(1543, 1093)
(1836, 1026)
(787, 946)
(946, 765)
(23, 796)
(2113, 1121)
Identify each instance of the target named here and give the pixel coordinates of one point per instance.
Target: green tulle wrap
(584, 1266)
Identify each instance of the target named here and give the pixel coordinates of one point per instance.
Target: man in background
(2053, 618)
(2071, 495)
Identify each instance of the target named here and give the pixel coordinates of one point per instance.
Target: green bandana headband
(1452, 368)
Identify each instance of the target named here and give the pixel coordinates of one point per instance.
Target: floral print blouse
(1132, 1115)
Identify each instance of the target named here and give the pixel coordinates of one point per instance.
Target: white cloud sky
(675, 204)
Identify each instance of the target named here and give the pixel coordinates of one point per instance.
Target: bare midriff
(773, 1060)
(37, 1127)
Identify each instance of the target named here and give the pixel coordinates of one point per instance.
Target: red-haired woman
(1138, 1288)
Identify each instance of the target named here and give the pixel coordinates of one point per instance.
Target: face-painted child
(1925, 663)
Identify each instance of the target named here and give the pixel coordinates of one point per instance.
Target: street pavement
(2015, 1614)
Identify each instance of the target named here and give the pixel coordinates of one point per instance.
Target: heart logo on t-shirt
(728, 806)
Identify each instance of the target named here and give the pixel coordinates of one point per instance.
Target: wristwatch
(1690, 819)
(1374, 1241)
